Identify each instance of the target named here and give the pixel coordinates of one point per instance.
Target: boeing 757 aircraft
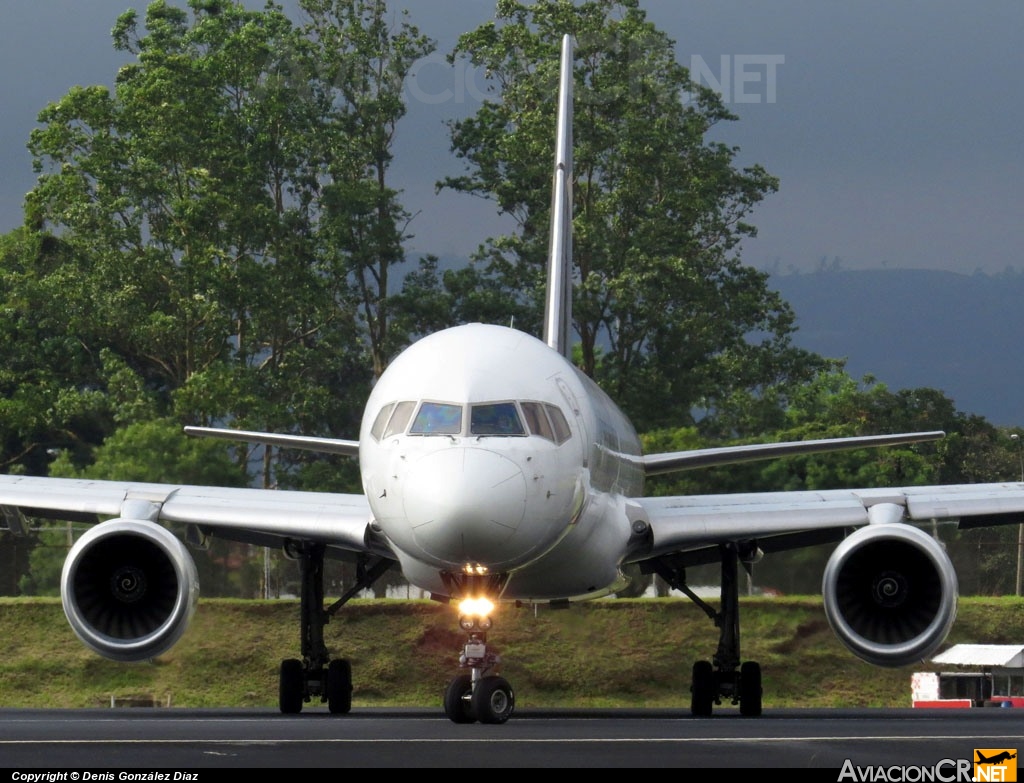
(494, 471)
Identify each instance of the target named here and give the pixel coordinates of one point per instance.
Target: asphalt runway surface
(110, 744)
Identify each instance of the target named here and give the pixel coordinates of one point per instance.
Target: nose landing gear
(480, 695)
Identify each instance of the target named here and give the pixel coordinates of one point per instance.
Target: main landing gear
(481, 695)
(726, 678)
(316, 675)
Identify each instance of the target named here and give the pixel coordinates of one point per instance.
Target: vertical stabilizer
(558, 309)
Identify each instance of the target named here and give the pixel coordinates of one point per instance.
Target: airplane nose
(464, 504)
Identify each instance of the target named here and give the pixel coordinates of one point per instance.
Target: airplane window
(495, 418)
(536, 420)
(437, 418)
(559, 424)
(382, 418)
(400, 418)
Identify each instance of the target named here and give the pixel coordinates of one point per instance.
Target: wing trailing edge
(349, 448)
(669, 462)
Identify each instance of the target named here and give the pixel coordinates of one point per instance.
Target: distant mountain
(910, 328)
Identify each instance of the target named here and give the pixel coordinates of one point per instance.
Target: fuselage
(485, 452)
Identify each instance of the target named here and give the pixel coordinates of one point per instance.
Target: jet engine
(890, 593)
(129, 589)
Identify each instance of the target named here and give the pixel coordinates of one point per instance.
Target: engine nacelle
(129, 589)
(890, 594)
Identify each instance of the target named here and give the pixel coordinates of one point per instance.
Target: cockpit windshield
(437, 418)
(502, 419)
(495, 418)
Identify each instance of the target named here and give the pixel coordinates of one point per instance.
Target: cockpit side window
(547, 421)
(377, 430)
(437, 418)
(558, 424)
(537, 420)
(400, 418)
(392, 420)
(495, 418)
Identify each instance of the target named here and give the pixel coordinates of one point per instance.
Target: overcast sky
(894, 127)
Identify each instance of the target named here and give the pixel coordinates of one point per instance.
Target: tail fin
(558, 310)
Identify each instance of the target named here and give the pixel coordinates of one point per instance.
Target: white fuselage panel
(457, 501)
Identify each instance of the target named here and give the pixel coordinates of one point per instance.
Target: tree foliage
(669, 319)
(224, 215)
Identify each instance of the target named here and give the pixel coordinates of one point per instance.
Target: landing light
(475, 614)
(476, 607)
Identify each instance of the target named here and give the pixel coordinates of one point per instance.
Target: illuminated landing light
(475, 569)
(475, 614)
(482, 607)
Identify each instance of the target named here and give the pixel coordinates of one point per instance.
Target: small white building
(985, 675)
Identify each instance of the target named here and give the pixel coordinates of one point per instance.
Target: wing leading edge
(348, 448)
(241, 514)
(695, 521)
(670, 462)
(689, 522)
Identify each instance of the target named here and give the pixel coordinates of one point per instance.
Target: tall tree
(668, 317)
(49, 374)
(363, 57)
(226, 212)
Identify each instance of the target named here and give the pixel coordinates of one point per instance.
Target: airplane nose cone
(464, 505)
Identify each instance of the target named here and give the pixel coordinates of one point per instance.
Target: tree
(669, 319)
(362, 62)
(49, 376)
(227, 224)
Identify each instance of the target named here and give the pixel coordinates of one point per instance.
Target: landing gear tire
(702, 689)
(339, 687)
(457, 703)
(291, 686)
(750, 689)
(493, 700)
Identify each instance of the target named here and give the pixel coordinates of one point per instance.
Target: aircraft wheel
(291, 686)
(339, 687)
(457, 704)
(750, 689)
(702, 689)
(493, 700)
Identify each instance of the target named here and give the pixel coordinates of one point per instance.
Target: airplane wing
(348, 448)
(889, 587)
(695, 521)
(669, 462)
(259, 516)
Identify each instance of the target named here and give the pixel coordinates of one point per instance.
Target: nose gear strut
(481, 694)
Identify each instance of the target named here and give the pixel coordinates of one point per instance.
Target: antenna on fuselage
(558, 311)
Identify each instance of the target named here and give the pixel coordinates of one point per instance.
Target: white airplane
(495, 471)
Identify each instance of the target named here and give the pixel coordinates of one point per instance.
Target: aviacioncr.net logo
(944, 771)
(998, 764)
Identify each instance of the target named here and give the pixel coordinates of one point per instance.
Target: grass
(599, 654)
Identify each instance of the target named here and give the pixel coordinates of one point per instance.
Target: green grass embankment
(598, 654)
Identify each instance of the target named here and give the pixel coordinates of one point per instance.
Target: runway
(103, 741)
